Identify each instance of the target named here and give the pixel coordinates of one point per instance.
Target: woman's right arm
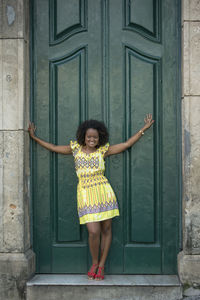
(54, 148)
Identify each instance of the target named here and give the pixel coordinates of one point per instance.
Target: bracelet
(142, 132)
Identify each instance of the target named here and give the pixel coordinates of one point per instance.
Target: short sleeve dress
(96, 200)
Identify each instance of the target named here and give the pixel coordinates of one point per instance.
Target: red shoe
(91, 274)
(99, 276)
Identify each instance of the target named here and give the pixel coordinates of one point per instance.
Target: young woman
(96, 200)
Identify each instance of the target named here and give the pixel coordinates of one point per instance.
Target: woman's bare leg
(94, 230)
(106, 238)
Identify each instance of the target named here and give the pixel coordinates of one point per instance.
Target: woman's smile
(91, 138)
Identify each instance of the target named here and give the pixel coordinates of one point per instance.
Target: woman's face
(92, 138)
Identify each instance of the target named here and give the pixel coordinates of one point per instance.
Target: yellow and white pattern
(96, 200)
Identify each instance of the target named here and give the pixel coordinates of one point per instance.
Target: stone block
(12, 80)
(14, 19)
(115, 287)
(191, 10)
(189, 269)
(14, 190)
(191, 62)
(102, 293)
(15, 270)
(191, 174)
(190, 292)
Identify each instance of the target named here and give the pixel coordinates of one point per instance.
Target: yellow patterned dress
(96, 200)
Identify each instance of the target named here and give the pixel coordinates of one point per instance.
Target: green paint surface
(113, 61)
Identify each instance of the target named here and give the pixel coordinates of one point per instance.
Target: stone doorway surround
(189, 257)
(17, 260)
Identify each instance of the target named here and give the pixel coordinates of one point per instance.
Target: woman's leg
(94, 230)
(106, 238)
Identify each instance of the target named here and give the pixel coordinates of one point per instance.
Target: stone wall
(16, 257)
(189, 258)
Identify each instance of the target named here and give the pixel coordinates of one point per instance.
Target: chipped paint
(10, 12)
(13, 206)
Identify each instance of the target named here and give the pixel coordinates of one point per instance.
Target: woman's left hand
(148, 121)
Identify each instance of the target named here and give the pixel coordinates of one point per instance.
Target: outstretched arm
(118, 148)
(54, 148)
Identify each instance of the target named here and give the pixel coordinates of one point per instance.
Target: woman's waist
(84, 175)
(92, 179)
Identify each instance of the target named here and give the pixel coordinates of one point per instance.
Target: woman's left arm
(118, 148)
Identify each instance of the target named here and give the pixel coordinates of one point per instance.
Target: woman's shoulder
(103, 149)
(75, 146)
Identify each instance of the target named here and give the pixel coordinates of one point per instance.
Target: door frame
(179, 230)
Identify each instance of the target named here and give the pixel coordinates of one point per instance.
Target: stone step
(126, 287)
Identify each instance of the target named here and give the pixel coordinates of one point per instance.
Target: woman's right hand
(31, 129)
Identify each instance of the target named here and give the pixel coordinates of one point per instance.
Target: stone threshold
(110, 280)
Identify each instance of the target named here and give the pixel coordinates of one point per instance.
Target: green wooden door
(112, 60)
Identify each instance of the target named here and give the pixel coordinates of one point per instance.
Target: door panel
(111, 60)
(143, 17)
(141, 85)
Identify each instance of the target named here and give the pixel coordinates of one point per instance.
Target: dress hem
(102, 219)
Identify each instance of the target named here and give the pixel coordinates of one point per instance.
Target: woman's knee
(94, 234)
(93, 231)
(106, 229)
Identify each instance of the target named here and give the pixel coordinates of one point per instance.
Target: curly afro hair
(94, 124)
